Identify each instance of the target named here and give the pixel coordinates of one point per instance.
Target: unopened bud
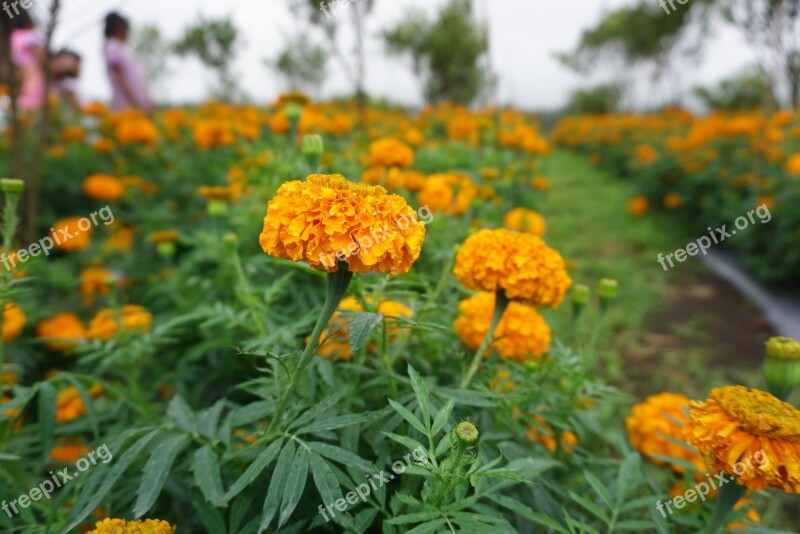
(313, 146)
(782, 366)
(293, 111)
(607, 289)
(467, 433)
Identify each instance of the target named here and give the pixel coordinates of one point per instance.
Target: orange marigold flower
(109, 321)
(335, 341)
(543, 433)
(68, 454)
(390, 152)
(522, 265)
(793, 165)
(527, 221)
(121, 526)
(522, 334)
(164, 236)
(540, 183)
(645, 154)
(737, 426)
(73, 234)
(672, 201)
(13, 322)
(61, 332)
(103, 187)
(326, 218)
(655, 424)
(95, 280)
(70, 405)
(95, 108)
(638, 206)
(121, 240)
(135, 128)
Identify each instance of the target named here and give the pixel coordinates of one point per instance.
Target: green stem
(728, 496)
(338, 283)
(500, 304)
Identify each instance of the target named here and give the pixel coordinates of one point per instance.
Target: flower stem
(500, 305)
(338, 283)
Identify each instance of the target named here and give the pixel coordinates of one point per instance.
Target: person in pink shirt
(125, 72)
(28, 51)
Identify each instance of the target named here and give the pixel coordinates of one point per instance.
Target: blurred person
(29, 53)
(125, 72)
(66, 69)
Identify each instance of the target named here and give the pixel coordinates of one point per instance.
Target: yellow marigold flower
(326, 218)
(70, 405)
(103, 187)
(544, 434)
(120, 240)
(522, 334)
(95, 281)
(79, 240)
(73, 133)
(61, 331)
(135, 128)
(390, 152)
(652, 423)
(95, 108)
(121, 526)
(335, 341)
(13, 322)
(793, 165)
(106, 323)
(522, 265)
(527, 221)
(736, 426)
(638, 206)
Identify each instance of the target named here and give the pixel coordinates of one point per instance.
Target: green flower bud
(217, 208)
(230, 239)
(467, 433)
(783, 348)
(166, 249)
(581, 295)
(11, 185)
(293, 111)
(313, 147)
(782, 366)
(607, 289)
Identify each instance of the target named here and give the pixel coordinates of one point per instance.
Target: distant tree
(448, 53)
(153, 50)
(597, 100)
(745, 90)
(214, 42)
(302, 63)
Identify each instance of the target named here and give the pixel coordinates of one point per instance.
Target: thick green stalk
(500, 304)
(338, 283)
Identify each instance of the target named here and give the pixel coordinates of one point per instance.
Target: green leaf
(254, 469)
(325, 480)
(207, 475)
(208, 420)
(599, 488)
(591, 507)
(421, 391)
(408, 416)
(629, 474)
(47, 416)
(255, 411)
(417, 517)
(316, 411)
(361, 326)
(211, 518)
(411, 444)
(295, 485)
(527, 512)
(156, 472)
(342, 456)
(442, 417)
(182, 415)
(428, 528)
(276, 485)
(333, 423)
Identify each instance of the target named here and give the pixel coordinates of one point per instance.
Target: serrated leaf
(254, 469)
(527, 512)
(182, 414)
(315, 412)
(155, 473)
(410, 443)
(276, 485)
(590, 507)
(205, 465)
(409, 417)
(416, 517)
(442, 417)
(341, 421)
(255, 411)
(342, 456)
(428, 528)
(421, 391)
(598, 488)
(361, 326)
(208, 420)
(295, 484)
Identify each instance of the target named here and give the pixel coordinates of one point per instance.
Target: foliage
(596, 100)
(302, 63)
(748, 89)
(214, 42)
(153, 50)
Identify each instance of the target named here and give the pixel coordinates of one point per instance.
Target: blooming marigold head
(13, 322)
(121, 526)
(109, 321)
(749, 434)
(522, 265)
(61, 331)
(73, 234)
(654, 426)
(521, 335)
(638, 206)
(327, 219)
(103, 187)
(527, 221)
(390, 153)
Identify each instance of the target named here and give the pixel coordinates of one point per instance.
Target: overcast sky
(524, 34)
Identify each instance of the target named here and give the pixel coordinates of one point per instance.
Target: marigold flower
(103, 187)
(672, 201)
(121, 526)
(107, 322)
(95, 281)
(540, 183)
(335, 341)
(655, 424)
(544, 434)
(390, 153)
(13, 322)
(70, 236)
(164, 236)
(522, 334)
(134, 128)
(793, 165)
(61, 331)
(326, 218)
(527, 221)
(521, 265)
(70, 405)
(68, 454)
(736, 424)
(638, 206)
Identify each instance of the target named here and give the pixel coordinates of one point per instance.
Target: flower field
(306, 317)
